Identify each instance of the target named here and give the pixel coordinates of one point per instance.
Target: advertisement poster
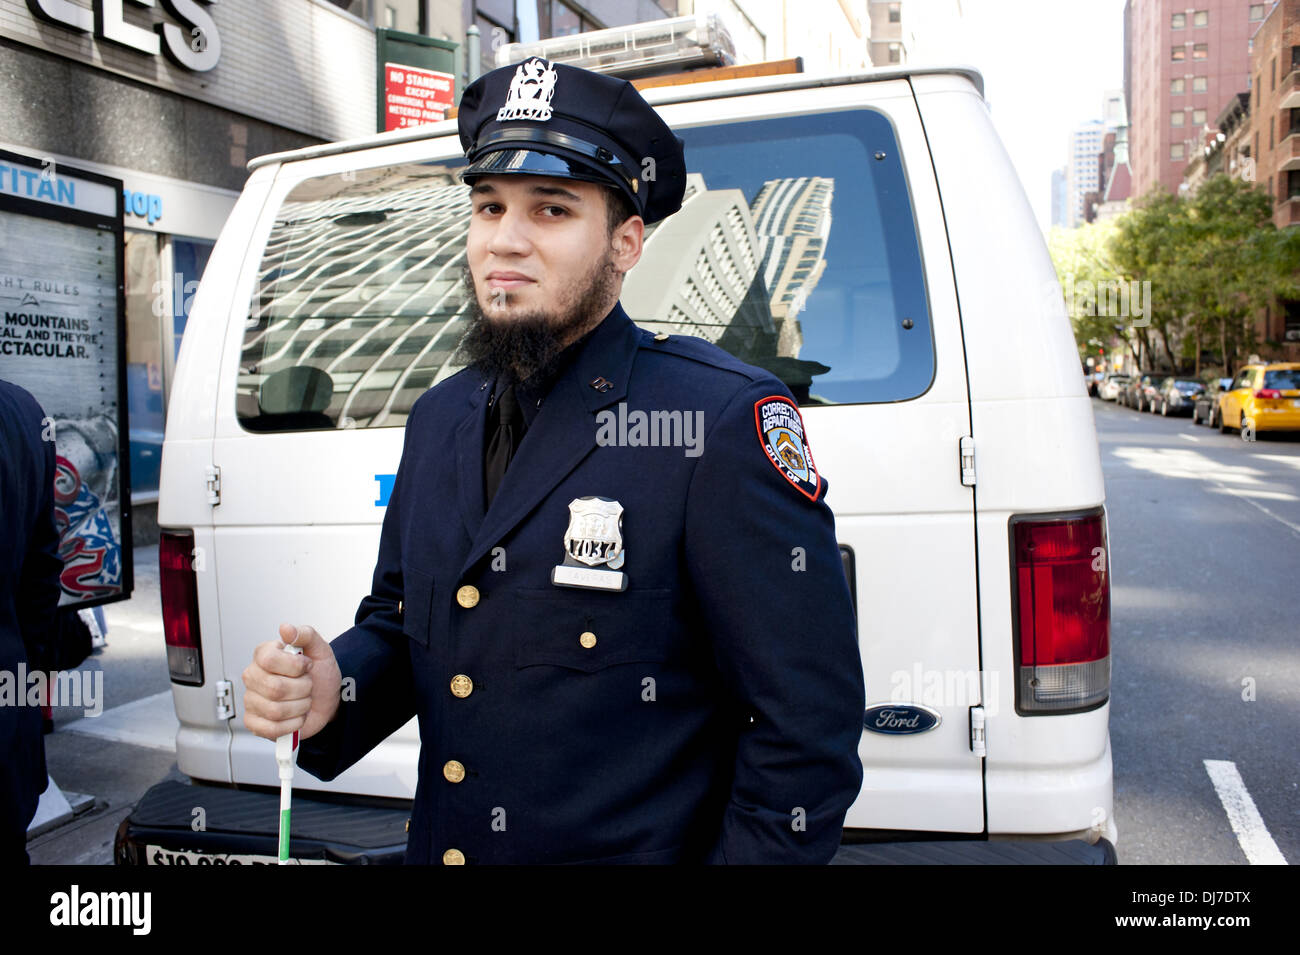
(62, 326)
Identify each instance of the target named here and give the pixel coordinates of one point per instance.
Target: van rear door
(812, 242)
(346, 312)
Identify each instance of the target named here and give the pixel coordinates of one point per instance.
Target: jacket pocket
(589, 631)
(417, 603)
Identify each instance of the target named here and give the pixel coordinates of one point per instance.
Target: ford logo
(900, 719)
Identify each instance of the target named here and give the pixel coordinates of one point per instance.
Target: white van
(864, 237)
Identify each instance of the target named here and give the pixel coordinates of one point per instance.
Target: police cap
(552, 119)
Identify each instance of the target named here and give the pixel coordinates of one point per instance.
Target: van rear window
(795, 250)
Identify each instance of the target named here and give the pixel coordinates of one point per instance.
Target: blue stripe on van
(385, 488)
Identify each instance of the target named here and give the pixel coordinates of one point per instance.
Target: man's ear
(625, 243)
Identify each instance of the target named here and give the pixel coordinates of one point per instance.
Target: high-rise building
(1083, 174)
(1185, 59)
(1059, 197)
(888, 39)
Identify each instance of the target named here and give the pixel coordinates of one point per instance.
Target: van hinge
(967, 460)
(977, 730)
(212, 474)
(225, 700)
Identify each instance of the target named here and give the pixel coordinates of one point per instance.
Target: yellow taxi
(1263, 397)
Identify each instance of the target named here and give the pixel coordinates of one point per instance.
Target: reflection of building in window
(793, 220)
(698, 274)
(735, 273)
(361, 282)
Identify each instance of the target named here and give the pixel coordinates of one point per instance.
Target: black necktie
(503, 438)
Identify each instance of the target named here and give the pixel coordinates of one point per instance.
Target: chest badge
(593, 546)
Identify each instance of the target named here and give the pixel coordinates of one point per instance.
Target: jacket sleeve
(765, 566)
(378, 695)
(39, 590)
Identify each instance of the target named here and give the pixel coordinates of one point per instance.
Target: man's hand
(287, 692)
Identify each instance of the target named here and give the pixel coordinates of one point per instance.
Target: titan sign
(193, 44)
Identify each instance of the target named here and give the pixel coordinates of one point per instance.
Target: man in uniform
(608, 581)
(29, 599)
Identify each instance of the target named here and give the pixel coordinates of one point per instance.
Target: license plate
(156, 855)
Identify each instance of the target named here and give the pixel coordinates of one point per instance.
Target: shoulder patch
(781, 433)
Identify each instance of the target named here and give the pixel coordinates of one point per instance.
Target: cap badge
(531, 89)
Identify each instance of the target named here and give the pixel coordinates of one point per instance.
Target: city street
(1205, 550)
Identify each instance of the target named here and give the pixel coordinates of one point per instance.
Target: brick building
(1275, 104)
(1185, 59)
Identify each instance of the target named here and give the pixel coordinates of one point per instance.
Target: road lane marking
(1242, 497)
(1189, 437)
(150, 722)
(1246, 822)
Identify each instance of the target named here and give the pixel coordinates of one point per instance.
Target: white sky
(1046, 65)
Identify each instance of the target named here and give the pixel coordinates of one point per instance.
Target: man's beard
(527, 346)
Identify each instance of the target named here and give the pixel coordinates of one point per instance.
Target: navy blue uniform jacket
(29, 598)
(715, 718)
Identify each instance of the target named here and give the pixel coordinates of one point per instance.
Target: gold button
(453, 857)
(408, 825)
(461, 686)
(661, 337)
(467, 596)
(453, 771)
(400, 606)
(588, 639)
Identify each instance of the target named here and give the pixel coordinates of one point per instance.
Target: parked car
(1177, 396)
(1205, 410)
(1263, 397)
(284, 362)
(1141, 392)
(1112, 385)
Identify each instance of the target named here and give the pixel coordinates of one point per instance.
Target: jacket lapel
(562, 434)
(469, 460)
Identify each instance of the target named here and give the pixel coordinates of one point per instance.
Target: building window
(1178, 54)
(1256, 12)
(1200, 84)
(1176, 86)
(390, 17)
(1201, 51)
(1176, 118)
(895, 13)
(1292, 183)
(1270, 132)
(895, 53)
(1201, 18)
(565, 21)
(1178, 21)
(1176, 151)
(1295, 120)
(1295, 57)
(1198, 117)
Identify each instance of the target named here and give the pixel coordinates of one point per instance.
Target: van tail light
(1061, 598)
(180, 607)
(1268, 393)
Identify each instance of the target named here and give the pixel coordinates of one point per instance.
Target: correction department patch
(780, 431)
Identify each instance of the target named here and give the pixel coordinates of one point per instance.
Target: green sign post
(416, 78)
